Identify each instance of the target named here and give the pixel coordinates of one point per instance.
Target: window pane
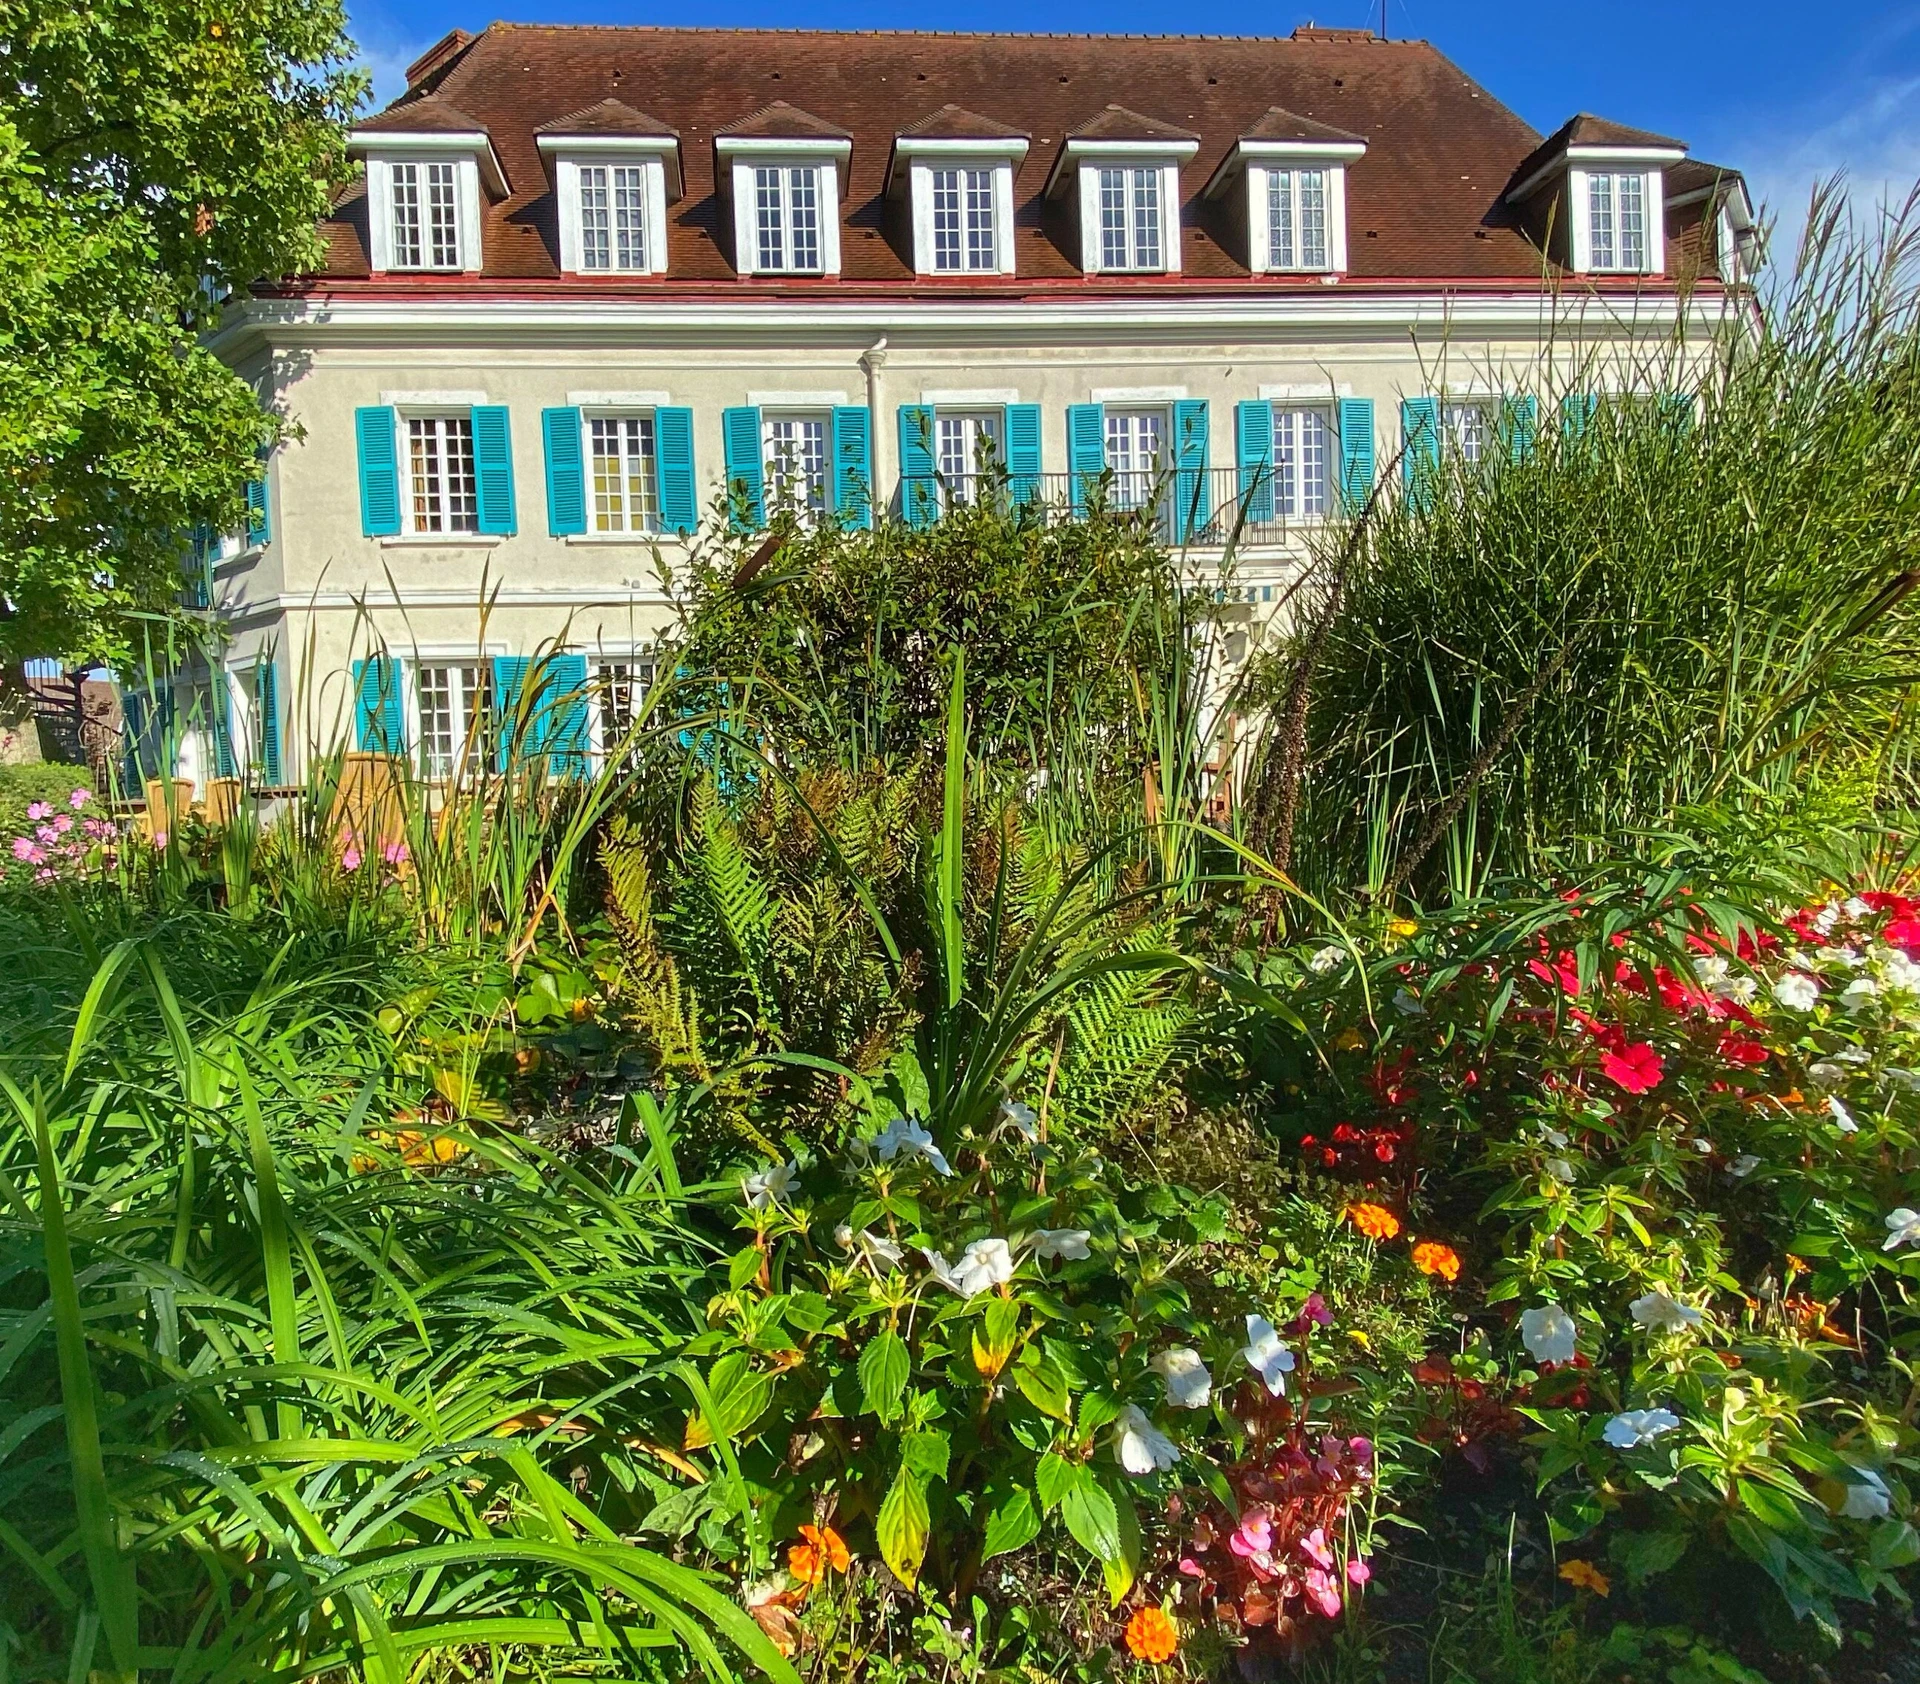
(1600, 221)
(1133, 453)
(596, 242)
(980, 254)
(1631, 193)
(462, 495)
(1313, 219)
(406, 216)
(443, 226)
(803, 209)
(796, 463)
(768, 219)
(1313, 462)
(436, 702)
(946, 220)
(1286, 462)
(629, 218)
(424, 471)
(1280, 221)
(1465, 425)
(1146, 219)
(1113, 219)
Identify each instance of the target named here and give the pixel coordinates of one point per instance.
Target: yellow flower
(1375, 1221)
(1152, 1635)
(1585, 1575)
(1403, 927)
(1349, 1040)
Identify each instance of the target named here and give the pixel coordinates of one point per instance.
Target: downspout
(886, 471)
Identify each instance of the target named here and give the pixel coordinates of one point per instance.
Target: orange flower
(1430, 1257)
(822, 1548)
(1375, 1221)
(830, 1545)
(1152, 1635)
(1585, 1575)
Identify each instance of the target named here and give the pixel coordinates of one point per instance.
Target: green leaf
(883, 1374)
(743, 1267)
(1090, 1515)
(1770, 1507)
(1045, 1387)
(1122, 1569)
(901, 1530)
(811, 1312)
(739, 1397)
(926, 1452)
(1051, 1480)
(1894, 1544)
(1012, 1526)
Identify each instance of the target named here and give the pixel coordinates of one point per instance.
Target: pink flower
(1192, 1568)
(79, 798)
(1635, 1067)
(1323, 1591)
(1358, 1572)
(1361, 1449)
(159, 838)
(23, 848)
(39, 810)
(1253, 1536)
(63, 822)
(1314, 1547)
(396, 853)
(350, 860)
(46, 833)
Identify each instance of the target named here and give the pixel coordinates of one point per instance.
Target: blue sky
(1787, 93)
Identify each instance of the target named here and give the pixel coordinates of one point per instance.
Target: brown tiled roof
(1695, 174)
(1424, 204)
(1278, 124)
(1585, 129)
(1118, 123)
(422, 116)
(956, 122)
(781, 121)
(609, 117)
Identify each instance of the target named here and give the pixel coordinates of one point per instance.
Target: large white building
(597, 281)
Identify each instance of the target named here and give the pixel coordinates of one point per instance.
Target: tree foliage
(156, 159)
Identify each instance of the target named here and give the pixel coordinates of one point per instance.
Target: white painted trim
(585, 145)
(970, 397)
(566, 188)
(1625, 157)
(633, 540)
(920, 189)
(1137, 394)
(442, 541)
(763, 148)
(379, 216)
(1170, 224)
(619, 400)
(1304, 151)
(1337, 220)
(797, 400)
(384, 141)
(461, 399)
(1142, 151)
(1009, 149)
(472, 230)
(1260, 230)
(1301, 391)
(1580, 221)
(467, 212)
(746, 245)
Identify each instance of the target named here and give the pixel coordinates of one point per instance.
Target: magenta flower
(79, 798)
(1314, 1547)
(1358, 1572)
(23, 848)
(39, 810)
(63, 822)
(1323, 1591)
(396, 853)
(1253, 1536)
(159, 838)
(350, 860)
(46, 833)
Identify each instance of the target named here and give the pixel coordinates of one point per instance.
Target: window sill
(643, 540)
(444, 541)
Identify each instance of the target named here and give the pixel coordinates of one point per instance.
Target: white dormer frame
(1582, 162)
(923, 157)
(1089, 157)
(1259, 159)
(649, 152)
(382, 151)
(825, 155)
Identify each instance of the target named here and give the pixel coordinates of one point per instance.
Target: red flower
(1737, 1049)
(1902, 932)
(1565, 970)
(1635, 1067)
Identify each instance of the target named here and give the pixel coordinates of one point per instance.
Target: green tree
(157, 157)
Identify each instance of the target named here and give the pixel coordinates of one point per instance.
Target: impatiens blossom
(1842, 1117)
(1901, 973)
(984, 1264)
(1323, 1591)
(1022, 1118)
(1252, 1539)
(1188, 1383)
(1068, 1244)
(1266, 1355)
(1549, 1333)
(870, 1244)
(1858, 992)
(1141, 1446)
(1903, 1228)
(1358, 1572)
(1314, 1547)
(903, 1134)
(1634, 1427)
(79, 798)
(350, 860)
(1634, 1067)
(1664, 1314)
(765, 1188)
(1406, 1002)
(1797, 991)
(23, 848)
(1325, 959)
(1869, 1498)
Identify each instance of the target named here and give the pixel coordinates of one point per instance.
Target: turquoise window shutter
(1190, 511)
(1675, 410)
(377, 713)
(853, 465)
(1577, 410)
(493, 468)
(375, 437)
(566, 471)
(1420, 441)
(563, 720)
(133, 729)
(1518, 423)
(513, 713)
(1356, 452)
(1253, 450)
(1022, 433)
(1086, 450)
(221, 714)
(673, 444)
(746, 471)
(259, 523)
(919, 481)
(266, 705)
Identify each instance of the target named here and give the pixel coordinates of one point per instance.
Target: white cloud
(385, 53)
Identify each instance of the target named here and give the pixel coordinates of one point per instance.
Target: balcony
(1207, 510)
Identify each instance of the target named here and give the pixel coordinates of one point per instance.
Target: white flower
(768, 1187)
(1825, 919)
(1851, 957)
(1549, 1333)
(1325, 959)
(1908, 1079)
(1797, 991)
(1842, 1117)
(1901, 973)
(1408, 1003)
(1188, 1383)
(1855, 907)
(1903, 1228)
(1827, 1071)
(1858, 992)
(903, 1134)
(943, 1270)
(869, 1243)
(1868, 1500)
(1741, 990)
(1560, 1169)
(1712, 970)
(1703, 1145)
(1069, 1244)
(984, 1264)
(1267, 1355)
(1555, 1137)
(1141, 1446)
(1639, 1426)
(1665, 1314)
(1743, 1166)
(1022, 1117)
(1852, 1055)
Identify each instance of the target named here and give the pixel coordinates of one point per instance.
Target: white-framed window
(1297, 219)
(786, 219)
(1617, 221)
(424, 196)
(1302, 453)
(441, 495)
(964, 221)
(624, 472)
(1136, 441)
(1464, 428)
(1132, 217)
(620, 682)
(969, 449)
(613, 217)
(453, 716)
(794, 452)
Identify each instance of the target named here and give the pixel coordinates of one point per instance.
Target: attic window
(1617, 221)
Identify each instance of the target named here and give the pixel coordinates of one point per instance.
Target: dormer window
(614, 171)
(1127, 171)
(784, 169)
(1617, 221)
(958, 168)
(428, 166)
(1295, 204)
(1594, 194)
